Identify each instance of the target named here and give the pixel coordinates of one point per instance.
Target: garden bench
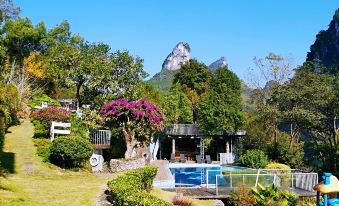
(59, 131)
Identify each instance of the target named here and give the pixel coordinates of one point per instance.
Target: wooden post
(231, 145)
(227, 145)
(173, 146)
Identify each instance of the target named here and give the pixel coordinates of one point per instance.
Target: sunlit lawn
(36, 183)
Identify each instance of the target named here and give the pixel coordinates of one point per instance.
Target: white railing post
(231, 183)
(256, 181)
(216, 185)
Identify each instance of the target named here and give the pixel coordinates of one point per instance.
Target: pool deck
(204, 193)
(164, 176)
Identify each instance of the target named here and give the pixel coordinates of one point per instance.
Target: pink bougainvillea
(139, 112)
(137, 119)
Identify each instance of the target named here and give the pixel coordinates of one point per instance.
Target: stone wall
(117, 165)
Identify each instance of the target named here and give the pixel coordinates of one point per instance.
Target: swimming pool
(196, 175)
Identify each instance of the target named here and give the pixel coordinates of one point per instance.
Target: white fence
(56, 125)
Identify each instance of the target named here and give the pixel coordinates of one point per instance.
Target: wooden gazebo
(192, 131)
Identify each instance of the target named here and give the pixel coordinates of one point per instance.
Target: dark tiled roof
(183, 129)
(193, 130)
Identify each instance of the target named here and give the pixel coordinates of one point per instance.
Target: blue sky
(238, 30)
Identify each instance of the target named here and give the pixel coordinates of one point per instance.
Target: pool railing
(297, 180)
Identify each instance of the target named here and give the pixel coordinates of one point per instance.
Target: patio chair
(198, 159)
(182, 158)
(172, 160)
(208, 159)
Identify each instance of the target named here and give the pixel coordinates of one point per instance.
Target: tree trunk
(130, 142)
(22, 81)
(276, 133)
(78, 93)
(129, 150)
(11, 76)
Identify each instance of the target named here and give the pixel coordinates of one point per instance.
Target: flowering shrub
(136, 118)
(52, 114)
(121, 110)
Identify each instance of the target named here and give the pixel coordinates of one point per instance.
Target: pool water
(196, 176)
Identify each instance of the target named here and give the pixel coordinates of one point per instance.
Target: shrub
(78, 127)
(279, 166)
(132, 189)
(52, 114)
(242, 196)
(43, 148)
(37, 101)
(182, 202)
(254, 159)
(41, 129)
(70, 151)
(287, 151)
(273, 196)
(307, 201)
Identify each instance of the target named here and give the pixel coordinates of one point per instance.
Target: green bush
(271, 195)
(70, 151)
(287, 151)
(41, 129)
(253, 159)
(37, 101)
(274, 165)
(43, 148)
(133, 187)
(242, 196)
(78, 127)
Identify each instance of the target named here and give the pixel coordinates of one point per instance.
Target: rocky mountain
(326, 46)
(180, 55)
(222, 62)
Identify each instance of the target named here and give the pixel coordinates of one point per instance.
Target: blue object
(195, 176)
(327, 202)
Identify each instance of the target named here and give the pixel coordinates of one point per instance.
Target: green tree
(8, 10)
(19, 38)
(220, 110)
(127, 74)
(309, 103)
(81, 65)
(194, 78)
(274, 70)
(177, 107)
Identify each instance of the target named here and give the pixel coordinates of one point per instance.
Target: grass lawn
(31, 182)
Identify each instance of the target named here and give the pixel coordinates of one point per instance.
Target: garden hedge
(70, 151)
(133, 188)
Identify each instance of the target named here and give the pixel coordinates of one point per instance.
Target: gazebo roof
(193, 130)
(183, 130)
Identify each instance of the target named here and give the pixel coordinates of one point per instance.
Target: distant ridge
(180, 55)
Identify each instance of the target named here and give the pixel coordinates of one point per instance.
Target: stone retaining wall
(117, 165)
